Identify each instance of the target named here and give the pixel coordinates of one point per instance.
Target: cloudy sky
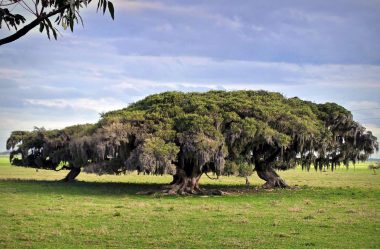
(317, 50)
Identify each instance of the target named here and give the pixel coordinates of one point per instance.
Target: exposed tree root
(182, 189)
(183, 184)
(187, 185)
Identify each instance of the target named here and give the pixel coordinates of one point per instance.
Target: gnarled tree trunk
(185, 184)
(273, 180)
(74, 172)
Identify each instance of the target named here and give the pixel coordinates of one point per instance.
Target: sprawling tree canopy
(188, 134)
(39, 12)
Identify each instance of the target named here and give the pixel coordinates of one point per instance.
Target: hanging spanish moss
(189, 134)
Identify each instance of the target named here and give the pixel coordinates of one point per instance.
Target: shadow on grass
(127, 189)
(99, 188)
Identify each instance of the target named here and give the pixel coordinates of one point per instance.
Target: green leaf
(80, 18)
(111, 10)
(104, 6)
(99, 4)
(47, 31)
(52, 28)
(71, 24)
(41, 27)
(64, 24)
(49, 23)
(54, 33)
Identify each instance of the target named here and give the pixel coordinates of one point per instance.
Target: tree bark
(183, 184)
(265, 172)
(273, 180)
(74, 172)
(247, 183)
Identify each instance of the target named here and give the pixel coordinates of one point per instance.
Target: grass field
(338, 209)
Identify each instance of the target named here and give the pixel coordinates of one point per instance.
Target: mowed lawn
(339, 209)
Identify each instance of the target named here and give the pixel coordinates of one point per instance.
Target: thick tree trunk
(247, 183)
(183, 184)
(186, 180)
(74, 172)
(267, 173)
(175, 179)
(273, 180)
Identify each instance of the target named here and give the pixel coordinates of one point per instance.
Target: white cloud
(139, 5)
(26, 121)
(364, 105)
(331, 75)
(308, 16)
(98, 105)
(368, 114)
(142, 85)
(28, 118)
(365, 111)
(374, 128)
(193, 11)
(167, 27)
(11, 73)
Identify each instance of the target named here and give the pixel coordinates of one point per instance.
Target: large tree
(189, 134)
(21, 16)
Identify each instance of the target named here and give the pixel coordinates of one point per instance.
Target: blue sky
(316, 50)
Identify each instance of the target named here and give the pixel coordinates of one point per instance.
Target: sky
(322, 51)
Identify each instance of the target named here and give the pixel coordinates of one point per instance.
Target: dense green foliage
(187, 134)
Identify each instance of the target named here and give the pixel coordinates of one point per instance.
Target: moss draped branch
(189, 134)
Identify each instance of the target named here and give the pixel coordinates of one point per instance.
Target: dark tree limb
(23, 31)
(265, 172)
(212, 178)
(74, 172)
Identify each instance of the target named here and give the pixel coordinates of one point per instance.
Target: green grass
(328, 210)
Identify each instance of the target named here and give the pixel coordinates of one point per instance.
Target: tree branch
(211, 178)
(64, 167)
(31, 25)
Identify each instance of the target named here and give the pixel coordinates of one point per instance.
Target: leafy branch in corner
(67, 14)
